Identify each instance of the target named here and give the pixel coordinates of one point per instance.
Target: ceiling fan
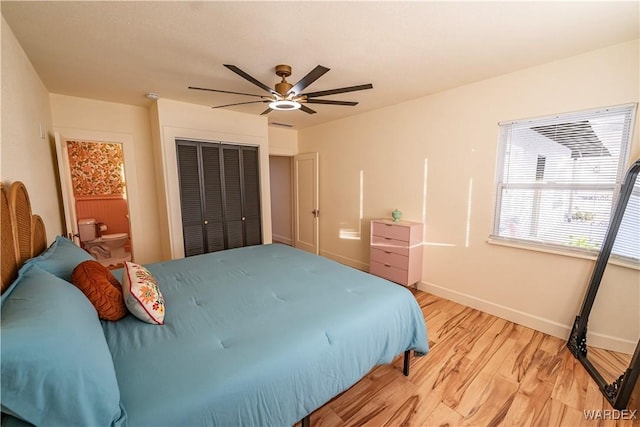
(286, 96)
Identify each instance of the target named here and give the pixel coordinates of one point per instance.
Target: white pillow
(142, 294)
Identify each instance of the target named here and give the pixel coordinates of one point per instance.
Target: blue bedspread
(261, 335)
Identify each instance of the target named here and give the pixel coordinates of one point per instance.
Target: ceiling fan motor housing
(283, 87)
(283, 71)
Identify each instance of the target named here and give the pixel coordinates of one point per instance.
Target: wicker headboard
(23, 235)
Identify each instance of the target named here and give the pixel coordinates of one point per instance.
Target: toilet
(107, 246)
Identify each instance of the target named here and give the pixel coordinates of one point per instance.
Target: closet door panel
(251, 185)
(190, 199)
(193, 240)
(215, 237)
(232, 197)
(213, 206)
(232, 185)
(253, 232)
(235, 234)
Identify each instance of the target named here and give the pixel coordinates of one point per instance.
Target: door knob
(206, 222)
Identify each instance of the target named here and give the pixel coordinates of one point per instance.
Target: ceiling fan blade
(238, 103)
(336, 91)
(331, 102)
(223, 91)
(246, 76)
(267, 111)
(313, 75)
(307, 109)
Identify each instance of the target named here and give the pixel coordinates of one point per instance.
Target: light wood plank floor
(481, 371)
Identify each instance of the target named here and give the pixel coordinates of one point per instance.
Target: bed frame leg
(405, 369)
(306, 421)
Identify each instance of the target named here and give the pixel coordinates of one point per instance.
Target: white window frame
(501, 185)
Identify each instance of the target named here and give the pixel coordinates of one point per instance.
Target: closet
(219, 196)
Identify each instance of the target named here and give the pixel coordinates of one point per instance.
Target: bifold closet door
(220, 196)
(242, 196)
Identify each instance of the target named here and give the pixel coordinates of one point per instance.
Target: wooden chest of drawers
(396, 251)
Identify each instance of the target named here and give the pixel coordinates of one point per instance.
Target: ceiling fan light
(284, 104)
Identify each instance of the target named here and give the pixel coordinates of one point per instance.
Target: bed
(262, 335)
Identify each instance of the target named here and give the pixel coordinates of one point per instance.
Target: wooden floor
(481, 371)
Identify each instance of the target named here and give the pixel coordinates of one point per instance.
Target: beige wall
(283, 142)
(195, 122)
(26, 113)
(434, 159)
(130, 125)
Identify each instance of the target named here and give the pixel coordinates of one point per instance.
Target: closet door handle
(206, 222)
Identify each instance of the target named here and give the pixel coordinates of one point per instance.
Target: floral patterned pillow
(142, 294)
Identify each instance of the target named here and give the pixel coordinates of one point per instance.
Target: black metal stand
(619, 391)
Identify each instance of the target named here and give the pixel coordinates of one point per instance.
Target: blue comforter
(261, 335)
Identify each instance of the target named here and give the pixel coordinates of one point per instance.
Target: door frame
(61, 135)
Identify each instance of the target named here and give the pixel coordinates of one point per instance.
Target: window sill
(562, 252)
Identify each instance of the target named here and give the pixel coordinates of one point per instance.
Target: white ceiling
(118, 51)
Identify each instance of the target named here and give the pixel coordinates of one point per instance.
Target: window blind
(627, 243)
(558, 176)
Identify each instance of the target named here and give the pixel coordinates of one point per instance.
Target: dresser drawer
(389, 272)
(390, 245)
(389, 258)
(392, 231)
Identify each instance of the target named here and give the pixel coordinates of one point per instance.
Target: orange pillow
(101, 288)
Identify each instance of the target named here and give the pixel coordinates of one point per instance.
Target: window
(627, 243)
(558, 177)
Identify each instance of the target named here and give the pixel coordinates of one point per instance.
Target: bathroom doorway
(94, 189)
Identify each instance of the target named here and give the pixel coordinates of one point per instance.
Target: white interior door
(306, 206)
(68, 202)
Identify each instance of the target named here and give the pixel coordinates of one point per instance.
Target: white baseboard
(347, 261)
(282, 239)
(529, 320)
(608, 342)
